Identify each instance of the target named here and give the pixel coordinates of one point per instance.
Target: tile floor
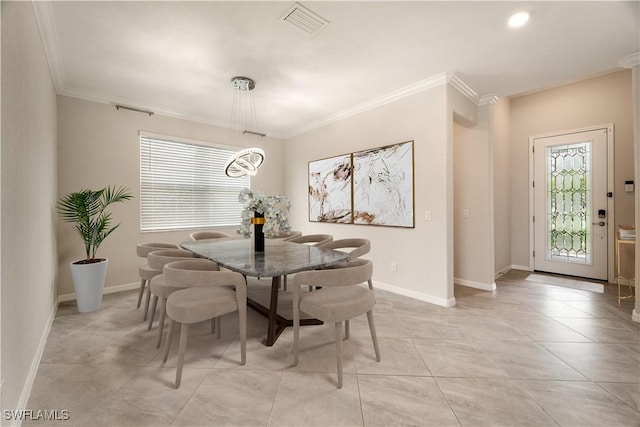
(527, 354)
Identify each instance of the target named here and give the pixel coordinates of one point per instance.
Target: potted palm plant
(87, 209)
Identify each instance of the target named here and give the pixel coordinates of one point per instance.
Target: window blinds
(183, 185)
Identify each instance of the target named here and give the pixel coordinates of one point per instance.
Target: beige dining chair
(287, 235)
(209, 234)
(206, 293)
(312, 239)
(159, 288)
(308, 239)
(355, 247)
(145, 272)
(340, 299)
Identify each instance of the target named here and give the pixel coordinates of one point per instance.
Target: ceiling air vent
(304, 19)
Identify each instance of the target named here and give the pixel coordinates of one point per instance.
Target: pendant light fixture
(243, 117)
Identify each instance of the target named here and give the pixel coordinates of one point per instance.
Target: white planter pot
(88, 282)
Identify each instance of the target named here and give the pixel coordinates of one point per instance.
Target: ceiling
(177, 58)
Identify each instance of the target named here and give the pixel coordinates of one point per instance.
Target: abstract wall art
(383, 186)
(330, 190)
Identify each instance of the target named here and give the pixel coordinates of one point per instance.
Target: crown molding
(49, 36)
(43, 11)
(488, 99)
(104, 99)
(630, 61)
(395, 95)
(458, 84)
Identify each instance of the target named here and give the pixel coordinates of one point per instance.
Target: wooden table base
(277, 323)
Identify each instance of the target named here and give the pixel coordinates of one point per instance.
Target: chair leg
(284, 283)
(182, 348)
(146, 302)
(172, 324)
(161, 315)
(374, 337)
(142, 283)
(216, 326)
(339, 351)
(153, 312)
(296, 326)
(346, 329)
(370, 284)
(242, 325)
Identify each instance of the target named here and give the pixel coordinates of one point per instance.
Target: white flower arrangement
(274, 209)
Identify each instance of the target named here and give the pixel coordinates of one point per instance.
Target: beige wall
(421, 253)
(473, 194)
(28, 193)
(597, 101)
(99, 146)
(499, 136)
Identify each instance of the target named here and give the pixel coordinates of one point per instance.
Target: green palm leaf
(87, 210)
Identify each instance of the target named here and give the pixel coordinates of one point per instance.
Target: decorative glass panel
(569, 203)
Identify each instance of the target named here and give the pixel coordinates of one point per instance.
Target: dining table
(278, 259)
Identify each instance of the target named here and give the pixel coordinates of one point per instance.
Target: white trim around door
(610, 186)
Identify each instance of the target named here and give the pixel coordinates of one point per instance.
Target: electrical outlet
(427, 215)
(394, 267)
(465, 213)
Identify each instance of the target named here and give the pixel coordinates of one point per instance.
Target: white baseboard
(477, 285)
(416, 295)
(502, 272)
(635, 316)
(520, 267)
(106, 291)
(35, 363)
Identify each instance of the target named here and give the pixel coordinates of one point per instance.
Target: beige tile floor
(527, 354)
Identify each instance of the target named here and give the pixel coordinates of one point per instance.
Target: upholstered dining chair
(288, 235)
(356, 247)
(339, 300)
(312, 239)
(206, 293)
(145, 272)
(209, 234)
(158, 286)
(308, 239)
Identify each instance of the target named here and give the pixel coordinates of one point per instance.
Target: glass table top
(278, 259)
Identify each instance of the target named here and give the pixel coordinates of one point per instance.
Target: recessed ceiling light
(517, 20)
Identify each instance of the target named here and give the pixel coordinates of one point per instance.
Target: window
(183, 185)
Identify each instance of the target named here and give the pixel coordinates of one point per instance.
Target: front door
(570, 204)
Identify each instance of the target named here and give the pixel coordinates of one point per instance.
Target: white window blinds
(183, 185)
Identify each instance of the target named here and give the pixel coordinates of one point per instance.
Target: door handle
(601, 223)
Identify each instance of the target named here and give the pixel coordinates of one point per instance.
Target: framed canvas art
(383, 186)
(330, 190)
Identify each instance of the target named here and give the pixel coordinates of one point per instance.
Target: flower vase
(258, 221)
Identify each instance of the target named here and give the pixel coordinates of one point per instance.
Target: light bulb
(517, 20)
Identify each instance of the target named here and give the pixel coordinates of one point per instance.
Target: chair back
(143, 249)
(200, 272)
(358, 247)
(356, 272)
(287, 235)
(158, 259)
(200, 235)
(316, 239)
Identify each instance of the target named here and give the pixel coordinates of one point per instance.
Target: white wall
(28, 193)
(421, 253)
(99, 146)
(473, 194)
(596, 101)
(499, 136)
